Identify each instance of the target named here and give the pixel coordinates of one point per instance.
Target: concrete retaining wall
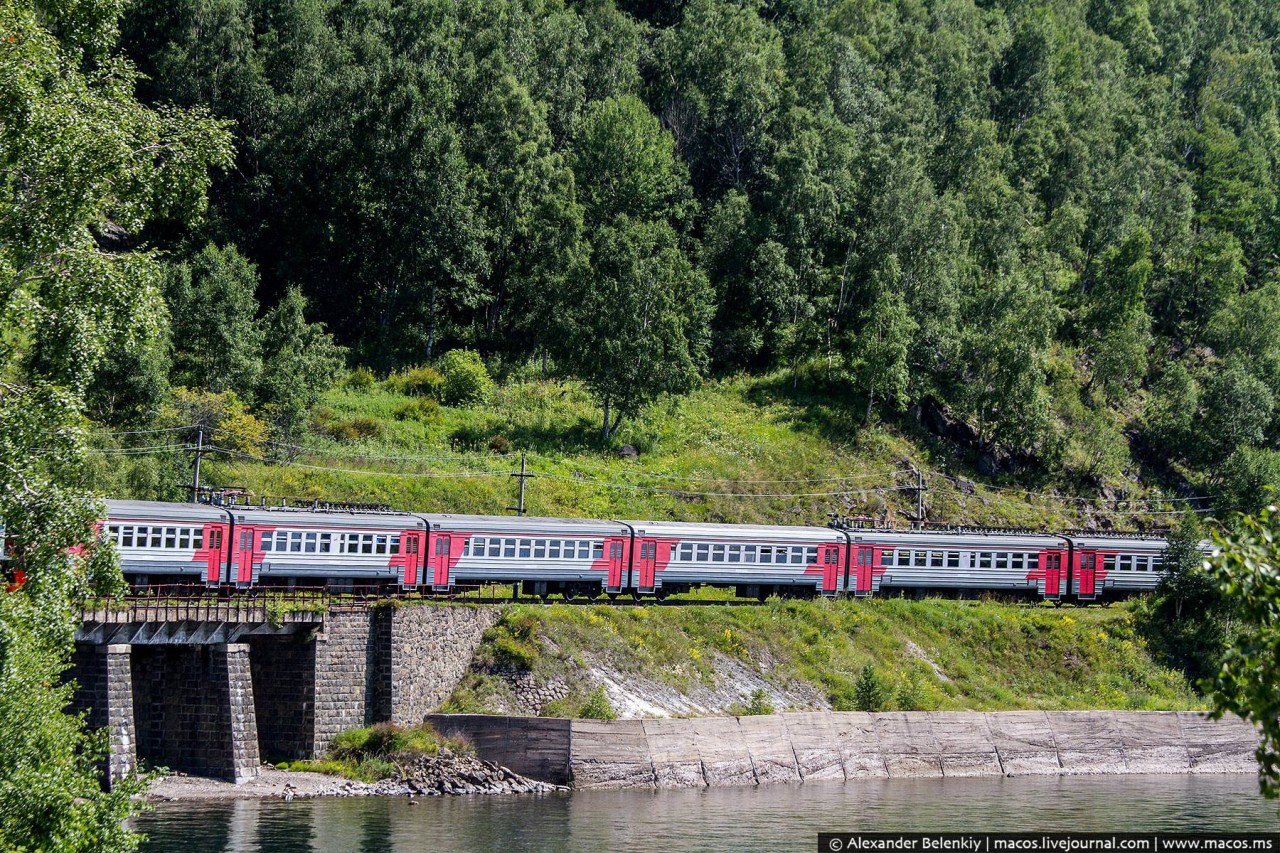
(718, 751)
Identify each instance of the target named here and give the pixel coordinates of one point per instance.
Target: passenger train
(245, 547)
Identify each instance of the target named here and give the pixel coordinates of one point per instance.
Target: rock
(968, 487)
(628, 452)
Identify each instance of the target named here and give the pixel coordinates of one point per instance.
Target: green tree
(214, 308)
(466, 379)
(870, 693)
(1244, 566)
(638, 326)
(300, 362)
(83, 167)
(878, 356)
(1236, 411)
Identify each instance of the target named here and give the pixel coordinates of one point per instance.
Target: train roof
(758, 531)
(516, 524)
(304, 517)
(962, 537)
(1118, 542)
(163, 511)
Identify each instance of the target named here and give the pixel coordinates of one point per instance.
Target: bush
(466, 379)
(360, 379)
(758, 706)
(417, 382)
(324, 422)
(499, 444)
(597, 706)
(910, 693)
(513, 641)
(422, 410)
(869, 693)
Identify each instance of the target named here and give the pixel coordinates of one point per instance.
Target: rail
(191, 602)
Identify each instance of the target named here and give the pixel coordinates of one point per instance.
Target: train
(238, 547)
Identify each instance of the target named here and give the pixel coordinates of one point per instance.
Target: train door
(616, 558)
(411, 548)
(647, 564)
(446, 548)
(864, 560)
(1051, 563)
(243, 552)
(1084, 573)
(213, 556)
(829, 559)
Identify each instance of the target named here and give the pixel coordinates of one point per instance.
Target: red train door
(446, 547)
(410, 556)
(246, 538)
(1085, 573)
(616, 555)
(212, 554)
(647, 564)
(829, 559)
(865, 558)
(1054, 576)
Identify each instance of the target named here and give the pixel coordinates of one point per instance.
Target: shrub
(910, 693)
(360, 378)
(869, 693)
(513, 641)
(422, 409)
(758, 706)
(466, 379)
(417, 382)
(597, 706)
(499, 444)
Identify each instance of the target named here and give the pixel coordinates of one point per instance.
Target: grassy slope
(731, 431)
(988, 656)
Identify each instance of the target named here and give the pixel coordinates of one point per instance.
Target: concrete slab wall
(718, 751)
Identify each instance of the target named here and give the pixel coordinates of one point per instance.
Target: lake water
(770, 818)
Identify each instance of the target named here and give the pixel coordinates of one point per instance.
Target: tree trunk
(871, 396)
(604, 432)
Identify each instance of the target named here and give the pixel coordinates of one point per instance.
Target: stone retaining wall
(718, 751)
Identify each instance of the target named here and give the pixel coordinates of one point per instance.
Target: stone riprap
(720, 751)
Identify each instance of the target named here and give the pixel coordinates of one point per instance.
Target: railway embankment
(804, 747)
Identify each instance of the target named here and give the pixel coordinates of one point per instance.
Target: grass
(373, 753)
(930, 655)
(698, 455)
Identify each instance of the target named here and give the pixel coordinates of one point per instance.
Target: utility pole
(519, 508)
(919, 488)
(195, 476)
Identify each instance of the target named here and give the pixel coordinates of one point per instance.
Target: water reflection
(779, 817)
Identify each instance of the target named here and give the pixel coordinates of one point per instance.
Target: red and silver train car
(245, 547)
(570, 556)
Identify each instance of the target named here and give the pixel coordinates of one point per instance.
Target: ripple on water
(771, 818)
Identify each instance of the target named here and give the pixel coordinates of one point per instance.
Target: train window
(395, 544)
(197, 538)
(811, 554)
(526, 547)
(935, 559)
(1157, 564)
(748, 553)
(984, 559)
(584, 549)
(366, 543)
(717, 553)
(309, 543)
(1015, 561)
(170, 537)
(215, 538)
(126, 537)
(508, 547)
(597, 549)
(466, 547)
(381, 544)
(886, 558)
(953, 559)
(326, 542)
(766, 554)
(1109, 563)
(830, 557)
(735, 553)
(615, 550)
(540, 548)
(797, 555)
(245, 540)
(184, 537)
(114, 532)
(1125, 563)
(704, 553)
(686, 551)
(268, 542)
(480, 546)
(1002, 560)
(157, 534)
(553, 549)
(495, 547)
(1140, 564)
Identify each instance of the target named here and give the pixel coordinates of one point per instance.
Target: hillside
(563, 660)
(735, 450)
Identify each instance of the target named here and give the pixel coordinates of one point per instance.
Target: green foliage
(1244, 566)
(373, 753)
(214, 310)
(300, 362)
(514, 642)
(421, 409)
(419, 381)
(910, 695)
(870, 692)
(85, 168)
(1187, 623)
(597, 706)
(466, 379)
(758, 705)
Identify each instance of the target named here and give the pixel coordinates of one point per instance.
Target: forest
(1050, 227)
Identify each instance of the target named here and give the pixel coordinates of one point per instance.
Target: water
(771, 818)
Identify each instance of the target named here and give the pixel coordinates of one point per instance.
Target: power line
(689, 478)
(212, 448)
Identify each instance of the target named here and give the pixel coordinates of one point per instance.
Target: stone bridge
(213, 688)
